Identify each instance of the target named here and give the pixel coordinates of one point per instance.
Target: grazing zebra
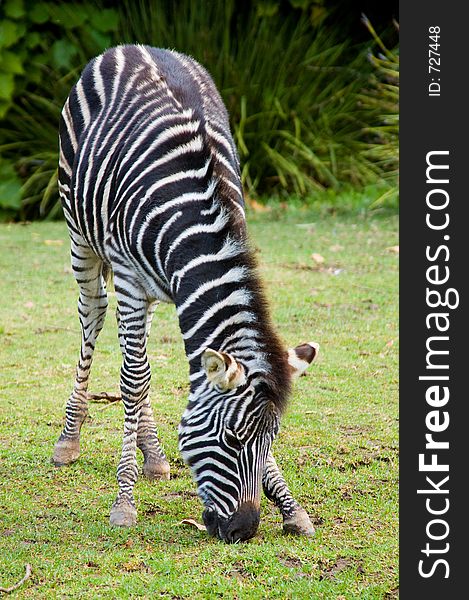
(150, 185)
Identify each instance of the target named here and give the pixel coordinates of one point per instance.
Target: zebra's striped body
(150, 184)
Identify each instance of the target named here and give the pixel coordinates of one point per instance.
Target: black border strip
(438, 124)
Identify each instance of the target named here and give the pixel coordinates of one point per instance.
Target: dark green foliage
(309, 110)
(30, 138)
(291, 91)
(382, 96)
(60, 35)
(43, 45)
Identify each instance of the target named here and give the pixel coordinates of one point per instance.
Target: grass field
(338, 446)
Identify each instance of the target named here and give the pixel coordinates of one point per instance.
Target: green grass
(337, 446)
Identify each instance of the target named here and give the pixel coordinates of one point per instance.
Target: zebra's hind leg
(295, 518)
(155, 465)
(92, 305)
(134, 384)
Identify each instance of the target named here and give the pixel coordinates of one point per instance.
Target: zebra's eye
(232, 440)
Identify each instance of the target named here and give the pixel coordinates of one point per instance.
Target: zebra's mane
(277, 378)
(228, 200)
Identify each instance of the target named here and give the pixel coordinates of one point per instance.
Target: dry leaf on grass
(193, 523)
(393, 249)
(318, 259)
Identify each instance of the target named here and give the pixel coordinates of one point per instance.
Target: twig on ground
(27, 575)
(41, 330)
(103, 398)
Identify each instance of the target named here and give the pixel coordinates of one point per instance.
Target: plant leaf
(193, 523)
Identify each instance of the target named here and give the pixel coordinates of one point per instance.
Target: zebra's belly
(90, 226)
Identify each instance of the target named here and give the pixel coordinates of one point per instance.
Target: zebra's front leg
(155, 465)
(92, 306)
(134, 384)
(295, 518)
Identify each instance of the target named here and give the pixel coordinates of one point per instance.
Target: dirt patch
(238, 571)
(338, 520)
(177, 473)
(292, 562)
(362, 456)
(153, 510)
(352, 430)
(181, 494)
(348, 492)
(332, 571)
(318, 267)
(317, 521)
(134, 565)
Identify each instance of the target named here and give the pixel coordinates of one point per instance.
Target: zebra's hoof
(65, 452)
(298, 524)
(123, 514)
(156, 469)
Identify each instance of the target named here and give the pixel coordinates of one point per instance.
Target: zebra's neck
(221, 305)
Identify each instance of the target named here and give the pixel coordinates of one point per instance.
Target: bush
(292, 93)
(382, 97)
(43, 46)
(295, 92)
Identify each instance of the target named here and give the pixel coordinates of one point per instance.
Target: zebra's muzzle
(210, 519)
(241, 526)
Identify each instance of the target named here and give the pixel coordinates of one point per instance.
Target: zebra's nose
(243, 524)
(210, 519)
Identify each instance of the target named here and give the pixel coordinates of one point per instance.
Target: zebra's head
(225, 436)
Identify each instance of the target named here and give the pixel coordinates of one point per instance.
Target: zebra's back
(144, 136)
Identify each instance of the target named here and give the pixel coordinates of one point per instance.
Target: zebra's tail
(107, 274)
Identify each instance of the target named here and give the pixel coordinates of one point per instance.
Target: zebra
(149, 181)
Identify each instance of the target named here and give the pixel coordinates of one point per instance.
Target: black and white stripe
(150, 185)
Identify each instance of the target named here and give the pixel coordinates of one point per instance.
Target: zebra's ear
(222, 369)
(301, 357)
